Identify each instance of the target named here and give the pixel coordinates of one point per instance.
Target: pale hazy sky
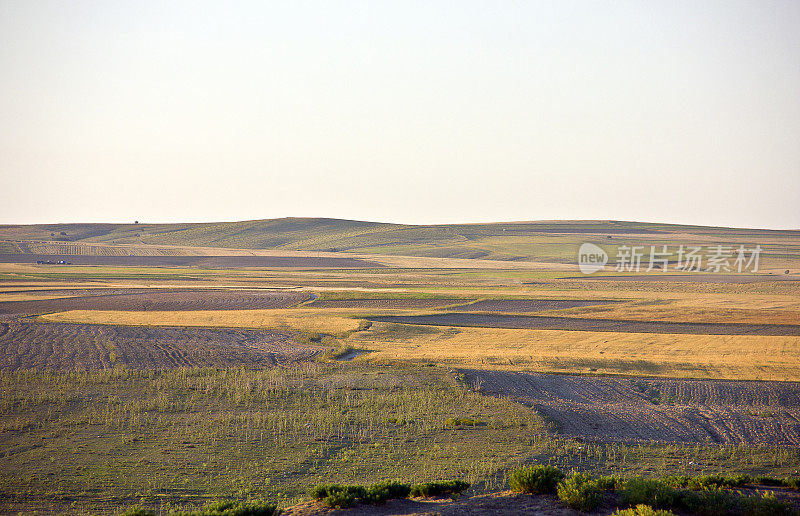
(416, 112)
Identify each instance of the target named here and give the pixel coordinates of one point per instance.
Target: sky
(412, 112)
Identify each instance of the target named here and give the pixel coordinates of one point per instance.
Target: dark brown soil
(630, 409)
(205, 262)
(586, 324)
(60, 346)
(155, 300)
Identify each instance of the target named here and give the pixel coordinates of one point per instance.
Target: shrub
(642, 510)
(768, 481)
(609, 483)
(535, 479)
(378, 493)
(138, 511)
(337, 495)
(793, 483)
(654, 493)
(707, 481)
(677, 481)
(711, 501)
(580, 491)
(233, 509)
(448, 487)
(340, 496)
(765, 505)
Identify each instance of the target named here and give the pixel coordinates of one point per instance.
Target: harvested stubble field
(635, 409)
(86, 347)
(653, 354)
(589, 324)
(157, 300)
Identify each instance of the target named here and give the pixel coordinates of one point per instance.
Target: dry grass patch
(687, 356)
(297, 320)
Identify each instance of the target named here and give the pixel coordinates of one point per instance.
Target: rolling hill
(554, 241)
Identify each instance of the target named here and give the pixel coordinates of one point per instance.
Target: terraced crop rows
(59, 346)
(648, 409)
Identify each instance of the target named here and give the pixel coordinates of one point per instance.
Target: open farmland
(182, 374)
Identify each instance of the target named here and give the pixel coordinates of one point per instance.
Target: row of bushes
(340, 496)
(699, 495)
(217, 509)
(704, 495)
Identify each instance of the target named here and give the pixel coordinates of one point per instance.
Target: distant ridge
(544, 240)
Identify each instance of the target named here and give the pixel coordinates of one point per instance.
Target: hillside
(543, 241)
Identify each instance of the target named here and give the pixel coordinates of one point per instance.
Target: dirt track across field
(635, 409)
(83, 347)
(204, 262)
(157, 300)
(585, 324)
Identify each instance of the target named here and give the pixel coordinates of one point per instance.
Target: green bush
(138, 511)
(765, 505)
(655, 493)
(793, 483)
(535, 479)
(340, 499)
(677, 481)
(340, 496)
(233, 509)
(642, 510)
(337, 495)
(378, 493)
(580, 492)
(768, 481)
(448, 487)
(611, 483)
(707, 481)
(711, 501)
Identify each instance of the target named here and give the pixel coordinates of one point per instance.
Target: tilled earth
(587, 324)
(631, 409)
(155, 300)
(26, 345)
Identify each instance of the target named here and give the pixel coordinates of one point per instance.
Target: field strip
(277, 319)
(588, 324)
(687, 356)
